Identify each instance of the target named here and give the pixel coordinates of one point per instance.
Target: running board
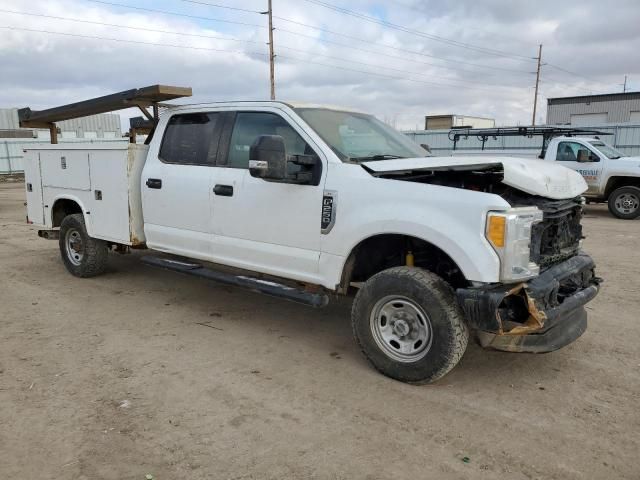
(254, 284)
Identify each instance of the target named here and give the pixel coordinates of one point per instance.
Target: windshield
(607, 150)
(359, 137)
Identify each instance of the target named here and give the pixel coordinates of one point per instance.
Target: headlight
(510, 235)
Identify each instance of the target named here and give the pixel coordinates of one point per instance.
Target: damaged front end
(538, 316)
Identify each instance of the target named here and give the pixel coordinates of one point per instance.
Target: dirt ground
(142, 371)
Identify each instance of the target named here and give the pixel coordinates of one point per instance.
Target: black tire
(90, 258)
(624, 203)
(425, 294)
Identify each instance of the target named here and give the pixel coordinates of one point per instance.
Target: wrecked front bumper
(538, 316)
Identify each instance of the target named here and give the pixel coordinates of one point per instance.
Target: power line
(189, 47)
(177, 14)
(575, 74)
(143, 29)
(140, 42)
(213, 37)
(165, 12)
(352, 37)
(325, 40)
(402, 28)
(404, 50)
(217, 5)
(424, 12)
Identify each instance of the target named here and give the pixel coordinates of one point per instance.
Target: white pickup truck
(611, 176)
(308, 201)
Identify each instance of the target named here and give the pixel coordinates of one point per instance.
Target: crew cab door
(176, 185)
(263, 225)
(568, 153)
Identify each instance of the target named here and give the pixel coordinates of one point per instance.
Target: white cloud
(591, 39)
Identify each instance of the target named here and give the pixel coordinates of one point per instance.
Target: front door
(176, 186)
(590, 167)
(261, 225)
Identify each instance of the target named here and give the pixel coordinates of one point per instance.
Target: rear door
(176, 185)
(567, 155)
(262, 225)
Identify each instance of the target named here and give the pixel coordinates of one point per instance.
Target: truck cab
(611, 176)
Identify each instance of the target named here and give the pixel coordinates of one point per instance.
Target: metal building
(594, 109)
(437, 122)
(99, 128)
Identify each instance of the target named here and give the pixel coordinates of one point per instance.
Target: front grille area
(557, 237)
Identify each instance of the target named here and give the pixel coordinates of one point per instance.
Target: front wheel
(624, 202)
(82, 255)
(408, 325)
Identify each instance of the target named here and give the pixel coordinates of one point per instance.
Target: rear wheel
(82, 255)
(624, 202)
(408, 325)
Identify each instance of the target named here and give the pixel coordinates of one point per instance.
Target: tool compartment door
(33, 187)
(65, 169)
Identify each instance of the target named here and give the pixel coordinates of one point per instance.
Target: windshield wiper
(375, 157)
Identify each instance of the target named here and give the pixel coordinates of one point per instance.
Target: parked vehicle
(611, 176)
(304, 202)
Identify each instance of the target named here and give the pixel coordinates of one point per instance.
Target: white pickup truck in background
(611, 176)
(303, 202)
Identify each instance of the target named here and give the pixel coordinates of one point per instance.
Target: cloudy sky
(399, 59)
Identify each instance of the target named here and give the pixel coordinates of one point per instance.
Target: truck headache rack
(142, 98)
(546, 132)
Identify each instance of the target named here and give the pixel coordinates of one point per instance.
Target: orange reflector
(496, 230)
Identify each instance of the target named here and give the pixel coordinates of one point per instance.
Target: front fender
(451, 219)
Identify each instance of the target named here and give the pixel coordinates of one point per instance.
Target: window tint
(250, 125)
(191, 138)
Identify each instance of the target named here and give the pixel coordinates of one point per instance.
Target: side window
(250, 125)
(568, 151)
(191, 139)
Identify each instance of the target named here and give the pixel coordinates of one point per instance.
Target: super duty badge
(328, 217)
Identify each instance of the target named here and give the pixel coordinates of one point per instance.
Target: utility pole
(535, 98)
(624, 85)
(272, 79)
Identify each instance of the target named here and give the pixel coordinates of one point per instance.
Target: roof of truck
(290, 104)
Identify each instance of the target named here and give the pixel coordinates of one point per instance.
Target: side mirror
(583, 155)
(267, 158)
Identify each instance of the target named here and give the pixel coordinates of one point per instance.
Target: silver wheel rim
(401, 328)
(74, 246)
(627, 203)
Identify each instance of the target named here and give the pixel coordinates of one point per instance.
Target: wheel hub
(401, 328)
(627, 203)
(74, 246)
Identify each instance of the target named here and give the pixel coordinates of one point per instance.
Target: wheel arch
(378, 252)
(618, 181)
(65, 205)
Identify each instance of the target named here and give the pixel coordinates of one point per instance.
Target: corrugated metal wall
(626, 138)
(95, 128)
(618, 111)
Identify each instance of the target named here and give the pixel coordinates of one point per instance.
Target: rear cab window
(192, 139)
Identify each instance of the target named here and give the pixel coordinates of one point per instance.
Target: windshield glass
(359, 137)
(607, 150)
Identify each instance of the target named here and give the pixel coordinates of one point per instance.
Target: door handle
(223, 190)
(154, 183)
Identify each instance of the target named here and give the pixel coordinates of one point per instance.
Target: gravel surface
(142, 371)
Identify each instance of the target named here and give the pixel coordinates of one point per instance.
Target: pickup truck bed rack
(137, 97)
(545, 131)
